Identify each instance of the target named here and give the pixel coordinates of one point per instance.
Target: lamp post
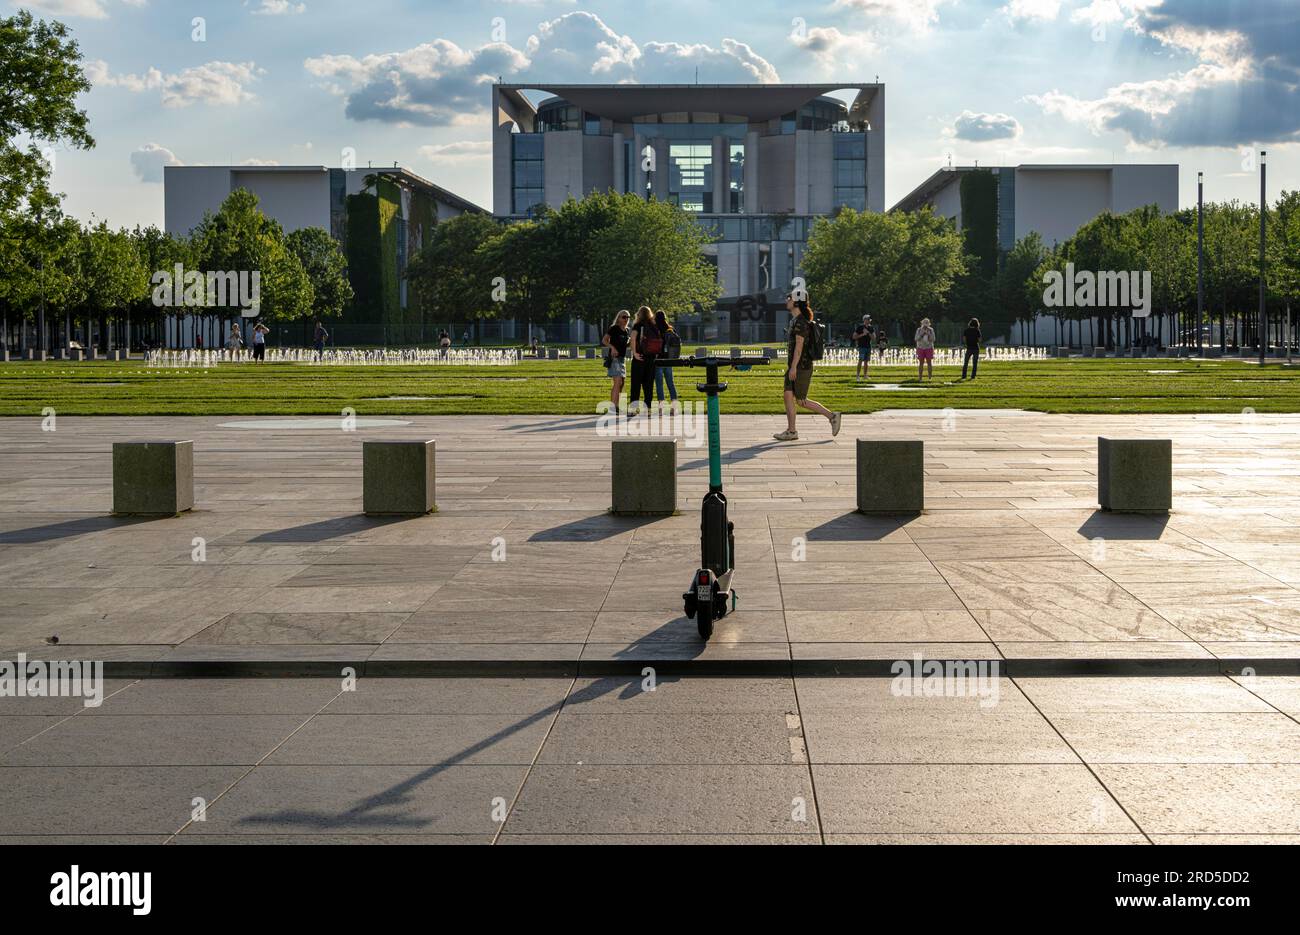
(1200, 257)
(1263, 227)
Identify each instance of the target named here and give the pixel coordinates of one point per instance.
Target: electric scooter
(710, 594)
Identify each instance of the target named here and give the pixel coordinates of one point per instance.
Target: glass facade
(736, 178)
(850, 170)
(527, 167)
(690, 176)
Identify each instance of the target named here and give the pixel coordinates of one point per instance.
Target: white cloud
(460, 152)
(89, 9)
(1031, 10)
(148, 162)
(915, 15)
(832, 48)
(220, 83)
(981, 127)
(279, 8)
(439, 83)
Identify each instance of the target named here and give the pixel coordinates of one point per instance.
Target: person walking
(444, 343)
(318, 339)
(864, 335)
(672, 350)
(882, 342)
(647, 345)
(615, 340)
(972, 336)
(924, 339)
(799, 371)
(260, 331)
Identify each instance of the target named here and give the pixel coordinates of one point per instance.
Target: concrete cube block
(643, 476)
(91, 353)
(117, 354)
(153, 478)
(701, 352)
(573, 352)
(4, 355)
(736, 352)
(33, 354)
(589, 353)
(398, 477)
(769, 353)
(891, 475)
(552, 353)
(1135, 475)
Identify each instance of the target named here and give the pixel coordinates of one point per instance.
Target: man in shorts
(864, 335)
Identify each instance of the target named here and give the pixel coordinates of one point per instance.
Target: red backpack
(651, 341)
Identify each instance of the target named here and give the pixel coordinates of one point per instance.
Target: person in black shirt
(615, 340)
(863, 336)
(972, 337)
(647, 345)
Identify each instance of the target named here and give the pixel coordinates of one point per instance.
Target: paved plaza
(1147, 689)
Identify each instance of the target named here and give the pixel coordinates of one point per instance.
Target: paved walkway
(805, 760)
(1011, 560)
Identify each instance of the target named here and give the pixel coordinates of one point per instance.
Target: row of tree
(72, 276)
(583, 260)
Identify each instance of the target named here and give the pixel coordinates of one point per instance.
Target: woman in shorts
(615, 341)
(798, 374)
(925, 349)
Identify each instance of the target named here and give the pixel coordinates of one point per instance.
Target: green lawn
(574, 387)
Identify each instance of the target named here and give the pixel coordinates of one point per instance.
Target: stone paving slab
(1011, 558)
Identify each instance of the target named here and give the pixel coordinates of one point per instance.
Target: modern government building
(756, 163)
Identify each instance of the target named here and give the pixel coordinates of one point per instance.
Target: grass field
(575, 387)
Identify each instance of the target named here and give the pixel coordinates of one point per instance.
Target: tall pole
(1263, 226)
(1200, 257)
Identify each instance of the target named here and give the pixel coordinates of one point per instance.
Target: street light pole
(1200, 257)
(1263, 226)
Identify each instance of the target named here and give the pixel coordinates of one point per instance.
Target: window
(690, 176)
(736, 177)
(591, 125)
(528, 169)
(850, 171)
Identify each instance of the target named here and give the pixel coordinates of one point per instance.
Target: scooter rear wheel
(704, 618)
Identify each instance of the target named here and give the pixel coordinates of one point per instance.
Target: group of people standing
(924, 340)
(235, 340)
(646, 339)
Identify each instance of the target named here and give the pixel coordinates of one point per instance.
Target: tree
(1019, 291)
(239, 238)
(650, 254)
(326, 268)
(896, 264)
(112, 276)
(448, 277)
(42, 78)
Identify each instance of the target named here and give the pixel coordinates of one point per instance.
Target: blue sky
(999, 81)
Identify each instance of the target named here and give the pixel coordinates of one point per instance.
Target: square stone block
(701, 352)
(398, 477)
(33, 354)
(1098, 352)
(91, 353)
(117, 354)
(153, 478)
(737, 352)
(589, 353)
(644, 476)
(552, 353)
(769, 353)
(891, 475)
(4, 355)
(1135, 475)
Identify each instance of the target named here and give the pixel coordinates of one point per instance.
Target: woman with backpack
(798, 375)
(924, 349)
(647, 344)
(615, 342)
(672, 349)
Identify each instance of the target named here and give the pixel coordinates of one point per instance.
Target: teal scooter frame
(710, 594)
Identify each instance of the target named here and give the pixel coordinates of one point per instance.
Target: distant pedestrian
(647, 346)
(260, 331)
(882, 341)
(615, 340)
(863, 336)
(672, 350)
(924, 339)
(799, 370)
(444, 343)
(972, 336)
(318, 339)
(234, 340)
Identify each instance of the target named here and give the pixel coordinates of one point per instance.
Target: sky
(1201, 83)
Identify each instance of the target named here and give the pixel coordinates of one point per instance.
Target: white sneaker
(786, 436)
(836, 419)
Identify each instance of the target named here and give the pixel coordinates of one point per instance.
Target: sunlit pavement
(787, 726)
